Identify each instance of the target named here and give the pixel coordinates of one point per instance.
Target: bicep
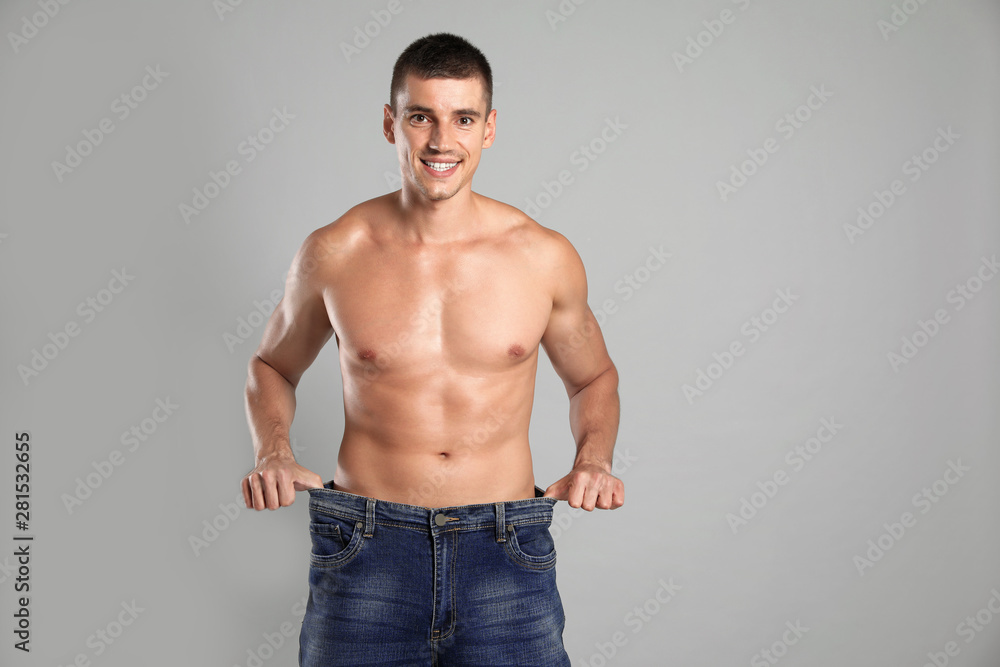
(572, 338)
(300, 326)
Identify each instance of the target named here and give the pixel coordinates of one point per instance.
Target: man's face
(440, 128)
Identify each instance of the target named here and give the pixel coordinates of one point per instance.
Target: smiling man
(431, 543)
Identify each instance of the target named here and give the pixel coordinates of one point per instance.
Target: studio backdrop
(790, 220)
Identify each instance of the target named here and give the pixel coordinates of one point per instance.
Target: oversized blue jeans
(396, 585)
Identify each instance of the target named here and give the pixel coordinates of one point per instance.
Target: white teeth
(439, 166)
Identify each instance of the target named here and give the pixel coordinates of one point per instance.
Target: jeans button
(441, 519)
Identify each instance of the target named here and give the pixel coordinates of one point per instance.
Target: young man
(431, 544)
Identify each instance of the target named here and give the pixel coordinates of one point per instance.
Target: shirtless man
(431, 542)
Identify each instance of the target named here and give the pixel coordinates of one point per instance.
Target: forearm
(270, 407)
(593, 416)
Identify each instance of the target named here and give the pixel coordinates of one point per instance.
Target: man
(431, 545)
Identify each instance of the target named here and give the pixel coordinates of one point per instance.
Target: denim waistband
(373, 511)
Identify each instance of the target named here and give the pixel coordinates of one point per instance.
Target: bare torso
(438, 348)
(438, 299)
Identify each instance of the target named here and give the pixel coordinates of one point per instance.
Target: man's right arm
(295, 333)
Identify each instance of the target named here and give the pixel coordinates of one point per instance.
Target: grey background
(687, 464)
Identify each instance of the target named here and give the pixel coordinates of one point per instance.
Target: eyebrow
(457, 112)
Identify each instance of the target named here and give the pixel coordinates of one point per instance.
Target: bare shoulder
(545, 246)
(546, 255)
(336, 243)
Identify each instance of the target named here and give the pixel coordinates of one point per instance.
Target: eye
(465, 120)
(418, 117)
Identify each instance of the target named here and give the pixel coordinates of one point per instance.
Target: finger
(245, 487)
(285, 489)
(591, 492)
(618, 497)
(605, 498)
(256, 492)
(269, 485)
(575, 495)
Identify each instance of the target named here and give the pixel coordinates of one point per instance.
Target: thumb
(558, 489)
(308, 481)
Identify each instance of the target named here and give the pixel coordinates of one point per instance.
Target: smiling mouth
(439, 166)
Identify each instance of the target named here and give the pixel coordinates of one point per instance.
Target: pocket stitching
(524, 560)
(346, 554)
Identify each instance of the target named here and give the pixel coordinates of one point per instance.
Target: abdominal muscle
(439, 440)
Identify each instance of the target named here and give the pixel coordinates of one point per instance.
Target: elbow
(611, 375)
(607, 378)
(258, 369)
(253, 367)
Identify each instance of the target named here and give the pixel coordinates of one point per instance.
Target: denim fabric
(398, 585)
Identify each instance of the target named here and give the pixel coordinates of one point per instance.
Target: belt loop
(501, 537)
(369, 517)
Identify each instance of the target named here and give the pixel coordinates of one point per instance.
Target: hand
(274, 481)
(588, 486)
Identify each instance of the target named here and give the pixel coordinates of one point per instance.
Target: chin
(437, 194)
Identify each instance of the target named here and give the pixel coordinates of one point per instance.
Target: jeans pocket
(334, 539)
(531, 546)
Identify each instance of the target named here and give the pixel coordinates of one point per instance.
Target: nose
(441, 139)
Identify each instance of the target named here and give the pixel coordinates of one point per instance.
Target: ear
(387, 125)
(491, 129)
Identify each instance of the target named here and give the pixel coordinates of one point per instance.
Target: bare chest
(469, 314)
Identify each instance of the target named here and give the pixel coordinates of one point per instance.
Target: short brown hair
(442, 56)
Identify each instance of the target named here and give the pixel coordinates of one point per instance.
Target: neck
(438, 221)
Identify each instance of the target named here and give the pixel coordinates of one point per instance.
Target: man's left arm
(576, 348)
